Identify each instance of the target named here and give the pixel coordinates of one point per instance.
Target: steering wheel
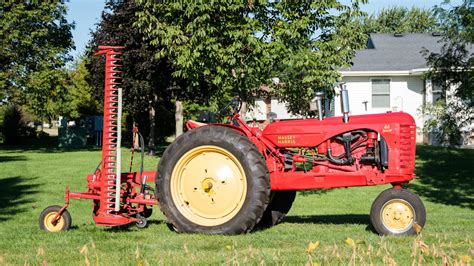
(235, 104)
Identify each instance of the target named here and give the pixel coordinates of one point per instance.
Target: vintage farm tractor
(227, 178)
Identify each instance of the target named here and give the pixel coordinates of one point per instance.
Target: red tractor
(227, 178)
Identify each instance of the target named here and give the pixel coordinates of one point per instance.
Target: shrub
(11, 124)
(14, 127)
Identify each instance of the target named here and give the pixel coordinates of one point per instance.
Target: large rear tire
(212, 180)
(280, 204)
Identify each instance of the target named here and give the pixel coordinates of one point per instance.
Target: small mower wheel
(280, 204)
(213, 180)
(46, 219)
(397, 212)
(142, 222)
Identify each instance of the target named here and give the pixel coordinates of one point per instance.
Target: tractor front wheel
(397, 211)
(47, 222)
(213, 180)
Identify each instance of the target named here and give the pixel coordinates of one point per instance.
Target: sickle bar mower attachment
(118, 198)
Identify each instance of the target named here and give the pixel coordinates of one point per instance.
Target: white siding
(359, 89)
(258, 111)
(406, 94)
(280, 109)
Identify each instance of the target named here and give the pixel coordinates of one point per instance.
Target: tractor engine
(361, 148)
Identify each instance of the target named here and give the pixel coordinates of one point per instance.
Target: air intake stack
(317, 100)
(344, 103)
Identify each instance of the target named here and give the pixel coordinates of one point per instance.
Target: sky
(86, 13)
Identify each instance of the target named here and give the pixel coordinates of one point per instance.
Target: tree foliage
(453, 69)
(46, 94)
(11, 124)
(34, 45)
(146, 81)
(454, 65)
(220, 48)
(401, 19)
(82, 98)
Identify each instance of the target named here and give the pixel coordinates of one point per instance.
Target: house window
(381, 93)
(438, 93)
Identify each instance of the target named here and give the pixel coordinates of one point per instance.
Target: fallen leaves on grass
(424, 248)
(41, 254)
(93, 252)
(185, 247)
(137, 253)
(369, 250)
(389, 261)
(85, 250)
(420, 250)
(335, 251)
(350, 242)
(417, 228)
(466, 258)
(312, 246)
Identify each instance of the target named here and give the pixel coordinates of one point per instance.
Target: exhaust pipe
(318, 98)
(344, 103)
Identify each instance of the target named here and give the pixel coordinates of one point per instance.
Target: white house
(389, 75)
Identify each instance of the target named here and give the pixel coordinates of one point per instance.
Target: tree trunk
(243, 110)
(179, 118)
(151, 140)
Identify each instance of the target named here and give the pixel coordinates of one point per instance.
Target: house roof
(395, 52)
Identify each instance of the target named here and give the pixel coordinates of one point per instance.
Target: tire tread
(248, 155)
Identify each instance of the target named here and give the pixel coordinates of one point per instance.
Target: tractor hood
(312, 132)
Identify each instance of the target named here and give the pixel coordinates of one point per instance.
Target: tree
(146, 81)
(82, 98)
(401, 19)
(34, 46)
(452, 68)
(207, 45)
(221, 48)
(11, 125)
(46, 94)
(312, 43)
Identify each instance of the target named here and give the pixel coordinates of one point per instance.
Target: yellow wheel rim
(208, 185)
(398, 215)
(50, 226)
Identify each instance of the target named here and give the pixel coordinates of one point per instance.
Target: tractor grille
(407, 146)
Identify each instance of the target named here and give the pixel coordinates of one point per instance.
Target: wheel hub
(208, 185)
(53, 226)
(398, 215)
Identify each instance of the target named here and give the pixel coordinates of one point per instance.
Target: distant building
(389, 75)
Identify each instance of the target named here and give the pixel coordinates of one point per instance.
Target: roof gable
(390, 52)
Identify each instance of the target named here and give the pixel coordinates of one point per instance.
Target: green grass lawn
(336, 221)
